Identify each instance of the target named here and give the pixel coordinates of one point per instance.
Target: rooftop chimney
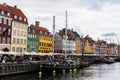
(37, 23)
(4, 4)
(15, 6)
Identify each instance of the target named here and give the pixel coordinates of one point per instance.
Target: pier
(31, 66)
(15, 68)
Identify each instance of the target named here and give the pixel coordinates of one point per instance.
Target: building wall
(19, 37)
(5, 32)
(33, 43)
(69, 46)
(58, 43)
(78, 47)
(45, 44)
(87, 47)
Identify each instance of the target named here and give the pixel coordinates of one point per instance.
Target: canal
(94, 72)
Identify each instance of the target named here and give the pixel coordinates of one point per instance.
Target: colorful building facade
(33, 40)
(45, 38)
(13, 29)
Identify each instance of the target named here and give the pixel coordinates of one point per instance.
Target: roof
(13, 10)
(38, 28)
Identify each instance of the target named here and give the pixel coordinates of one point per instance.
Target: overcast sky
(97, 18)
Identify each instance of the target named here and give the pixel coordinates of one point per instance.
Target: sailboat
(59, 65)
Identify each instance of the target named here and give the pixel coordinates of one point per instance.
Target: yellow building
(87, 47)
(45, 39)
(78, 47)
(19, 30)
(90, 46)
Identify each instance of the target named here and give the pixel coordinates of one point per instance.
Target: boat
(59, 65)
(109, 60)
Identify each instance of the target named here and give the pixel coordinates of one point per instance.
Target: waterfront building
(13, 29)
(33, 40)
(5, 28)
(112, 49)
(103, 47)
(87, 45)
(58, 43)
(77, 42)
(69, 45)
(45, 38)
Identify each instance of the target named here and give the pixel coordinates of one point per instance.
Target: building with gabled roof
(45, 38)
(14, 25)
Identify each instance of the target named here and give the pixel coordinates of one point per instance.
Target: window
(24, 41)
(2, 12)
(14, 32)
(4, 29)
(9, 22)
(8, 40)
(0, 39)
(8, 14)
(15, 16)
(0, 30)
(18, 33)
(14, 40)
(45, 33)
(0, 20)
(17, 49)
(40, 32)
(24, 19)
(21, 41)
(20, 49)
(20, 18)
(9, 31)
(17, 40)
(3, 39)
(5, 21)
(21, 33)
(13, 49)
(15, 24)
(24, 34)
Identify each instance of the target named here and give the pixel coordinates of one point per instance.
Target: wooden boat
(109, 60)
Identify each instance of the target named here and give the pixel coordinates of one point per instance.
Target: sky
(96, 18)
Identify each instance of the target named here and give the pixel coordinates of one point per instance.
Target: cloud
(109, 34)
(93, 17)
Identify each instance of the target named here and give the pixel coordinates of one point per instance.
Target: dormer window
(0, 20)
(8, 14)
(15, 16)
(45, 33)
(20, 18)
(40, 32)
(2, 12)
(24, 19)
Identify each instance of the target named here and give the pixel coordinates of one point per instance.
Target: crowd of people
(20, 59)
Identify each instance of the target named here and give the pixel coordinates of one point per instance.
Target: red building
(9, 16)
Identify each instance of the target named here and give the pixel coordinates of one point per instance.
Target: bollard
(40, 73)
(54, 72)
(63, 71)
(74, 70)
(70, 68)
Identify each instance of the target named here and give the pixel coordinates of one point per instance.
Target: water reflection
(94, 72)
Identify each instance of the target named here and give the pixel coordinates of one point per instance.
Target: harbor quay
(43, 64)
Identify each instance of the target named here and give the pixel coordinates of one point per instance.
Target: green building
(33, 40)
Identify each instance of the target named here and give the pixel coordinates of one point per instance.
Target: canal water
(93, 72)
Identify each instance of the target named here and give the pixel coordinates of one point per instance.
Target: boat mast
(53, 35)
(65, 32)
